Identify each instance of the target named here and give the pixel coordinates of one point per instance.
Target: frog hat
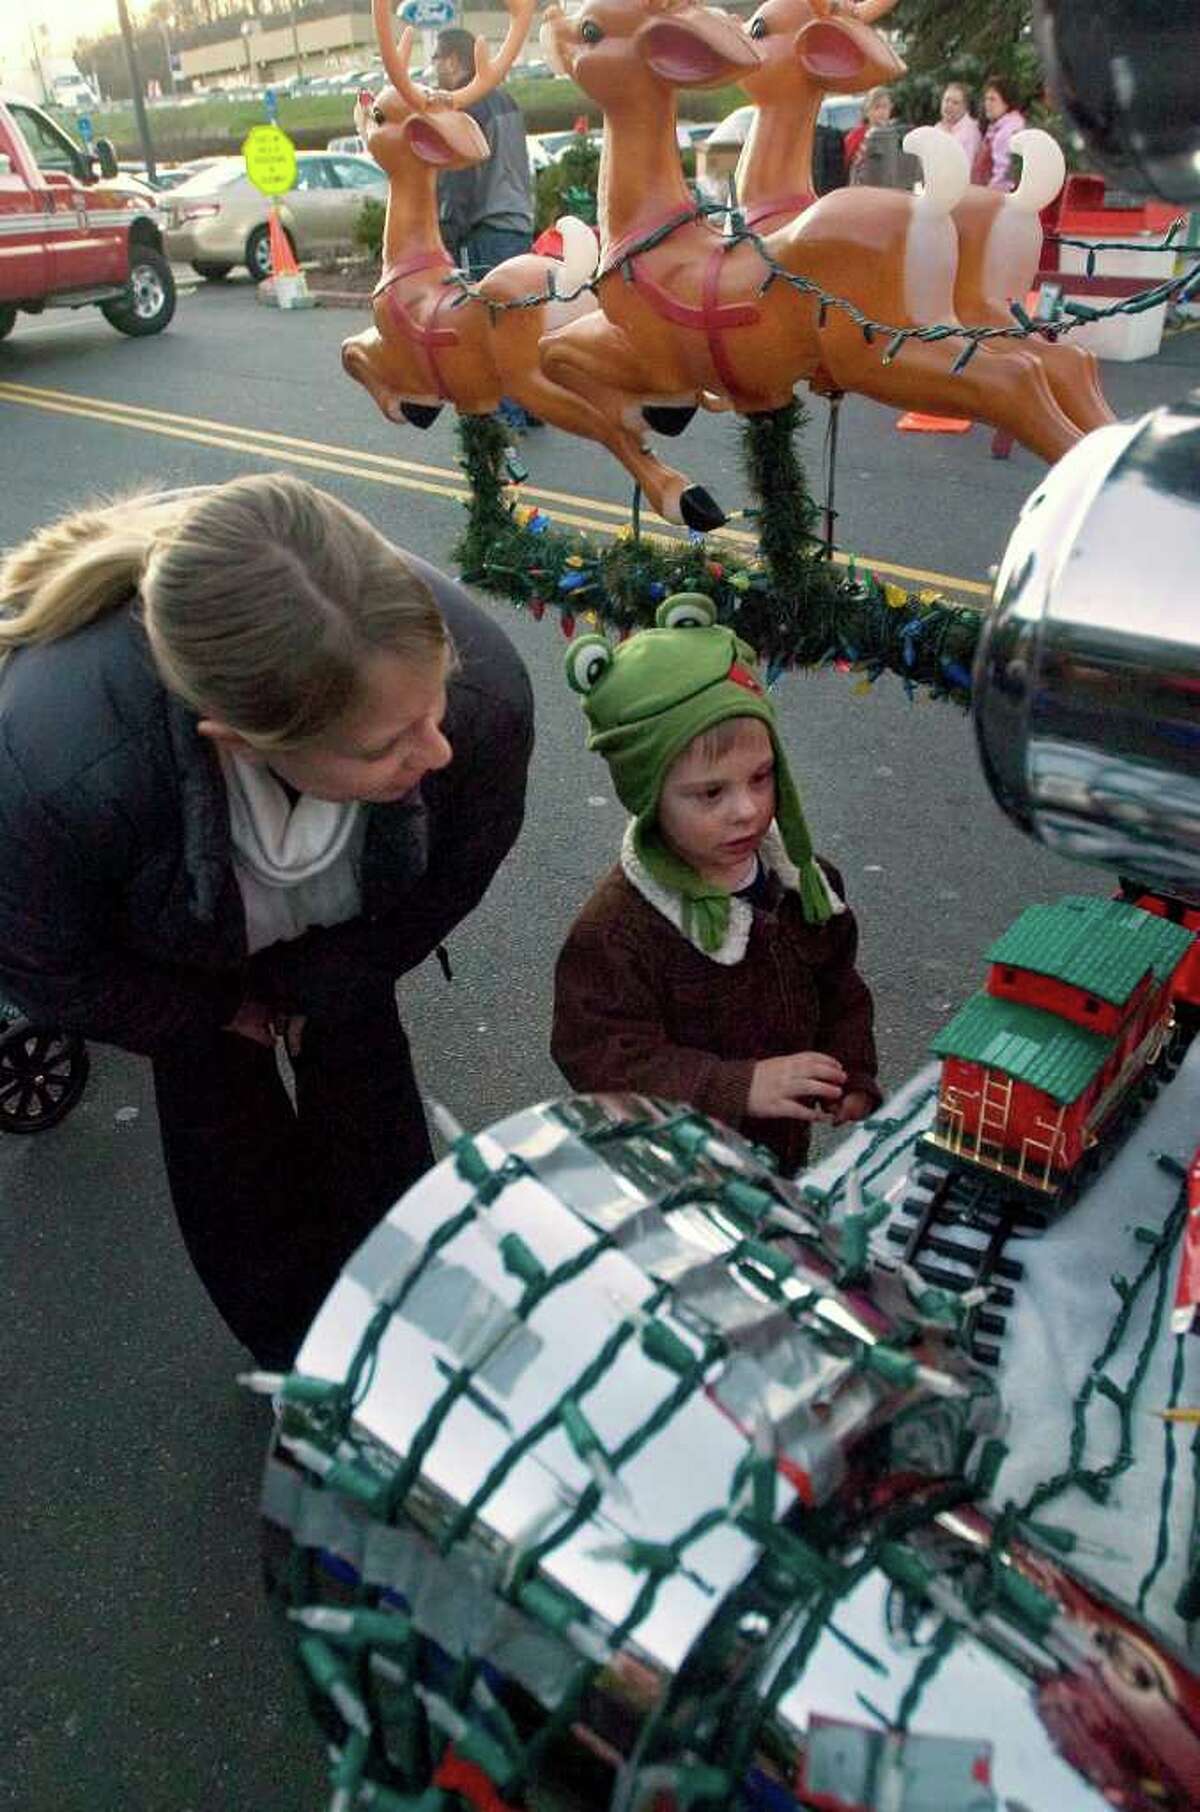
(646, 700)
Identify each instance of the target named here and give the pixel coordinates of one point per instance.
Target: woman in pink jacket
(956, 119)
(993, 166)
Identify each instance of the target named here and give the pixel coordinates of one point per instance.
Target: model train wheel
(42, 1075)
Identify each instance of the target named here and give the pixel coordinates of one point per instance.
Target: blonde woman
(255, 763)
(876, 111)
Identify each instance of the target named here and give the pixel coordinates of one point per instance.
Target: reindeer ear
(444, 138)
(697, 51)
(828, 52)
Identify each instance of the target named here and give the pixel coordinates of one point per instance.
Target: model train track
(953, 1228)
(955, 1224)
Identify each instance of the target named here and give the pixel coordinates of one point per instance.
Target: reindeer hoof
(699, 510)
(668, 418)
(421, 415)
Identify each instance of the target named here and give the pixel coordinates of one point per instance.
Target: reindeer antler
(865, 11)
(490, 71)
(395, 57)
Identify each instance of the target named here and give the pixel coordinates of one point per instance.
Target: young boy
(715, 964)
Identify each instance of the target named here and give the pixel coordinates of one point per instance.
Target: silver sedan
(218, 218)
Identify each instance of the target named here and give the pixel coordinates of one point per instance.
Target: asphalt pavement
(142, 1672)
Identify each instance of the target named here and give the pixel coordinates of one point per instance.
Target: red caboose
(1036, 1068)
(1187, 976)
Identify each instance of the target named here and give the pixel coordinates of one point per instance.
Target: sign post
(270, 159)
(271, 166)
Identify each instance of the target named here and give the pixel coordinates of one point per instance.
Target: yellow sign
(270, 159)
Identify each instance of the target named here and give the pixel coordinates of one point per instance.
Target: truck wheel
(8, 318)
(212, 273)
(258, 253)
(149, 301)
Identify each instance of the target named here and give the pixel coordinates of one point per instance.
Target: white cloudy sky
(64, 20)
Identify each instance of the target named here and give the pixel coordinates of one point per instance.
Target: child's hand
(796, 1087)
(853, 1106)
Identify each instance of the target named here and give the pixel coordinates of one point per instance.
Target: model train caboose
(1039, 1068)
(1187, 977)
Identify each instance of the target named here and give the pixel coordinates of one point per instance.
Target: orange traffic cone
(285, 286)
(283, 259)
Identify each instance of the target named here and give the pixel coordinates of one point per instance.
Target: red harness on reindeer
(713, 318)
(426, 338)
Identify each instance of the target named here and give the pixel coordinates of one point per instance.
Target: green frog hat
(646, 700)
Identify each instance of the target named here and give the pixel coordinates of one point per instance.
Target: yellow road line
(404, 474)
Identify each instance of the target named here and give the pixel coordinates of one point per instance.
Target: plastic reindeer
(811, 48)
(684, 315)
(432, 343)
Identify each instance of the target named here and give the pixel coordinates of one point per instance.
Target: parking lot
(144, 1674)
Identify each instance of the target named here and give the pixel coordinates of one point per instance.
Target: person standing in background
(486, 211)
(877, 111)
(993, 164)
(957, 120)
(880, 160)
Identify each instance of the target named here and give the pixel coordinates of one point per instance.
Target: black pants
(271, 1200)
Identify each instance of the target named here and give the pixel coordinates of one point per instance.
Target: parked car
(539, 157)
(73, 231)
(218, 219)
(553, 144)
(178, 174)
(721, 148)
(349, 142)
(841, 111)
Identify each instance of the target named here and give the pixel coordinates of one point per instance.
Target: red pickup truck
(70, 234)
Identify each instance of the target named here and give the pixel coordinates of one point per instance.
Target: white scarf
(774, 858)
(296, 864)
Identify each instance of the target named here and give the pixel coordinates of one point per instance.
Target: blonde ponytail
(75, 569)
(262, 599)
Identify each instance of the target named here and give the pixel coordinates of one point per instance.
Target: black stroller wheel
(42, 1075)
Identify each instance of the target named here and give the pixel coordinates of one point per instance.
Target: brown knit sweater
(638, 1006)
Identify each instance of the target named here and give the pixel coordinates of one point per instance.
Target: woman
(993, 164)
(254, 764)
(879, 160)
(956, 119)
(876, 111)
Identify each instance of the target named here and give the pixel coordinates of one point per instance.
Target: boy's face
(714, 813)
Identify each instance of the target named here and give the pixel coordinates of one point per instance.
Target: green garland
(794, 606)
(787, 515)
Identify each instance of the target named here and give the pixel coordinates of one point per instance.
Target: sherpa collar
(733, 946)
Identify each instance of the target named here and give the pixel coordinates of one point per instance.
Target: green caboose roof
(1026, 1043)
(1102, 946)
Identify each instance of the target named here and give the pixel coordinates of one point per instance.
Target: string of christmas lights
(795, 606)
(1065, 314)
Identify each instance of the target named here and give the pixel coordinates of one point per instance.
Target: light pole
(135, 82)
(38, 65)
(167, 26)
(296, 51)
(247, 30)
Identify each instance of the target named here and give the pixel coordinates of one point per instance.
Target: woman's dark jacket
(120, 915)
